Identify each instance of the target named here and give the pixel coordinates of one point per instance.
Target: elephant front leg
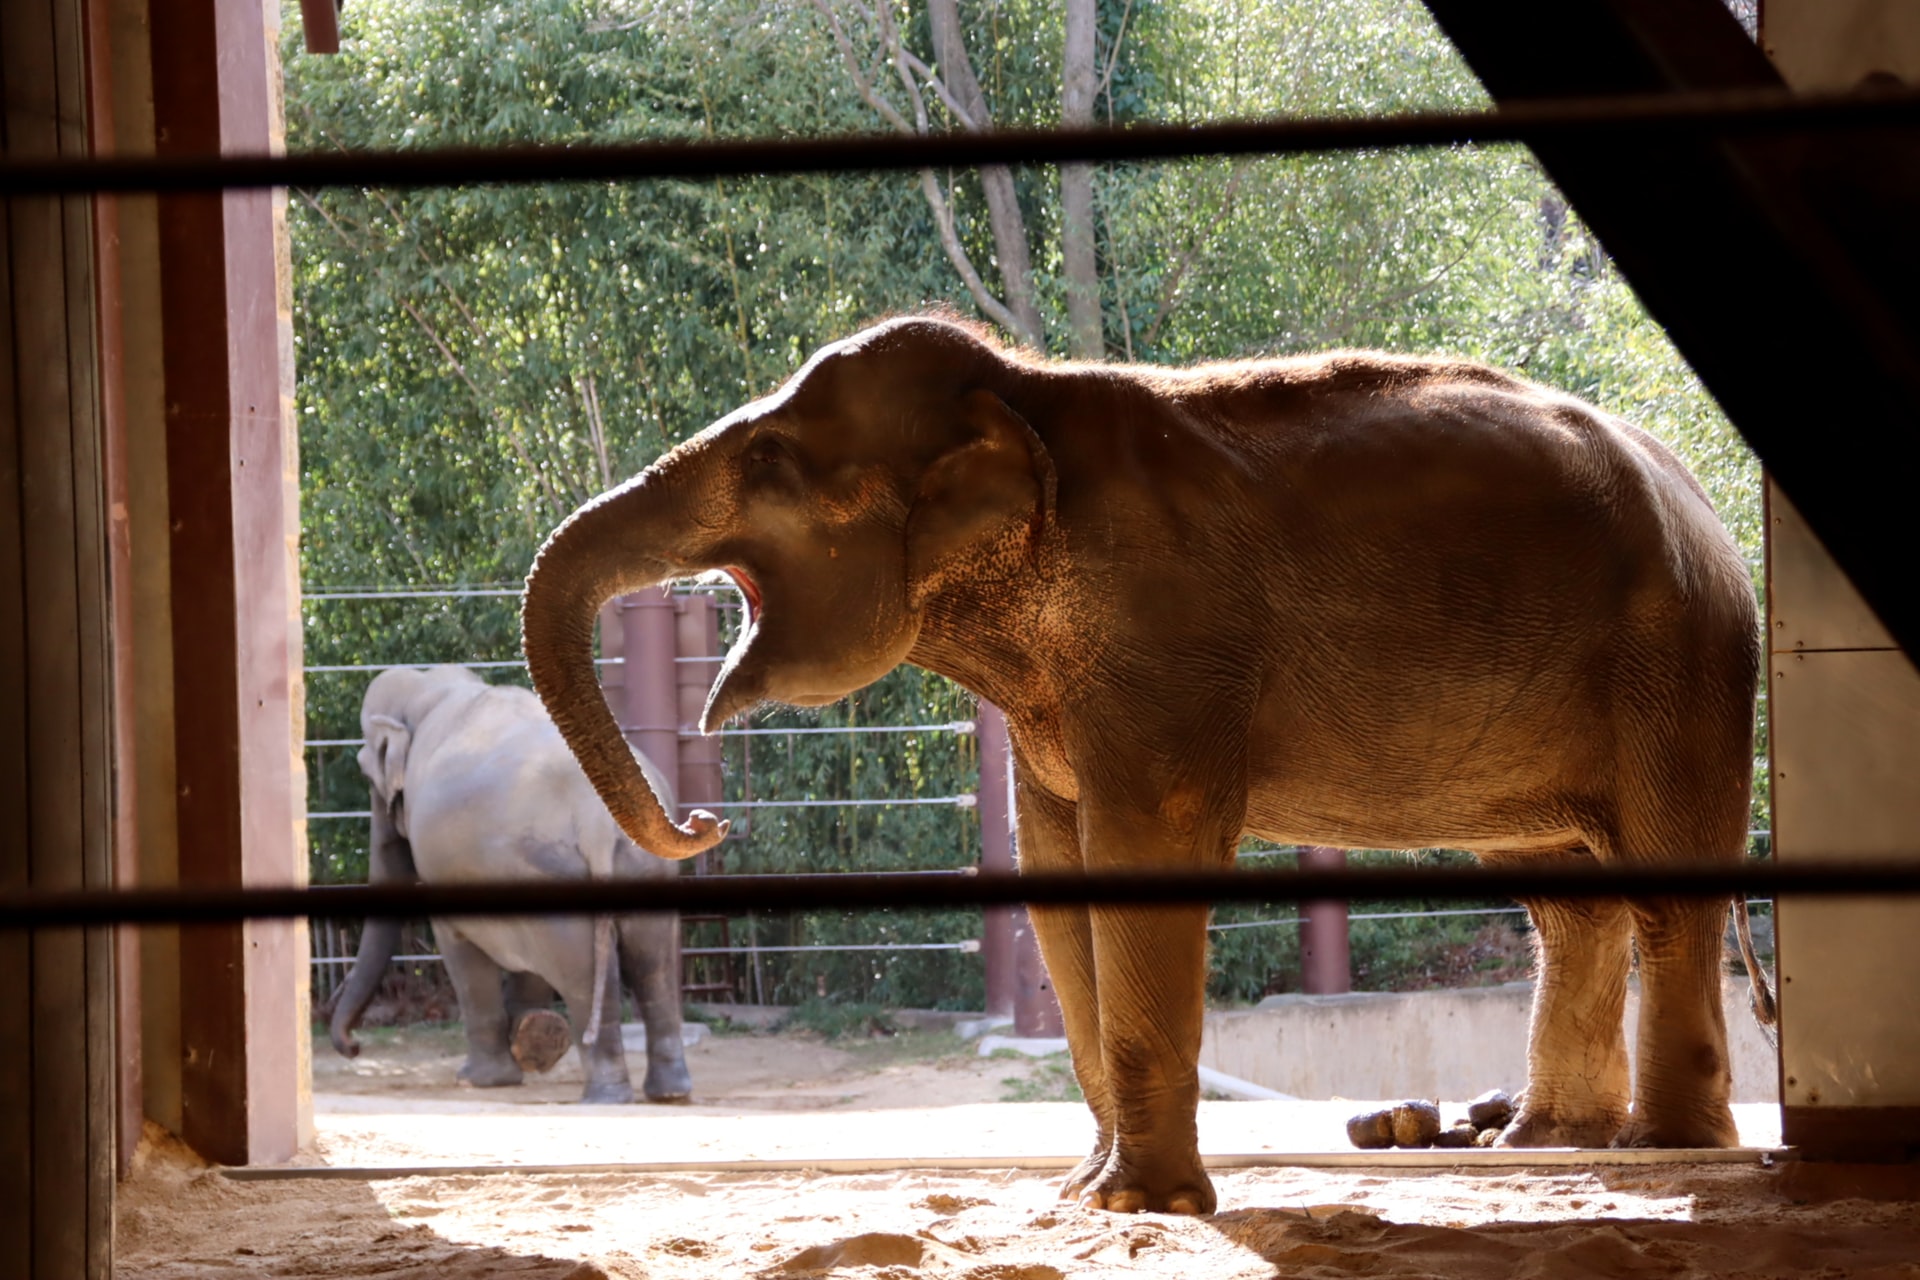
(1576, 1094)
(477, 983)
(1150, 971)
(1049, 841)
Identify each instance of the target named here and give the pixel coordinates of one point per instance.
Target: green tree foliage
(473, 363)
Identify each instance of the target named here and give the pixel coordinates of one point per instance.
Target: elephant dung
(1491, 1110)
(1460, 1134)
(1488, 1137)
(540, 1039)
(1416, 1123)
(1371, 1130)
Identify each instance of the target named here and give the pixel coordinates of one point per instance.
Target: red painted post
(1326, 964)
(1017, 981)
(996, 854)
(697, 641)
(651, 716)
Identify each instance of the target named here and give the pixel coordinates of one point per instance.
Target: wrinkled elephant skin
(471, 781)
(1356, 599)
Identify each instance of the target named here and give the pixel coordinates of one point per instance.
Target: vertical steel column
(697, 642)
(1017, 981)
(651, 717)
(1326, 964)
(613, 675)
(995, 808)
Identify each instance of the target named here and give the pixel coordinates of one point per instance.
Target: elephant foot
(668, 1083)
(1538, 1129)
(613, 1092)
(1082, 1175)
(1710, 1127)
(540, 1039)
(1173, 1186)
(490, 1072)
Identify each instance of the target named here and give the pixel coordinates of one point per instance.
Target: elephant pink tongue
(748, 588)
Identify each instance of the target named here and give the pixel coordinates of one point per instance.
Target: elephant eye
(769, 452)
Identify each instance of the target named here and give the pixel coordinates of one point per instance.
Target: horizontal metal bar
(45, 908)
(1545, 120)
(390, 959)
(471, 666)
(966, 801)
(1466, 1158)
(952, 726)
(421, 593)
(342, 813)
(969, 945)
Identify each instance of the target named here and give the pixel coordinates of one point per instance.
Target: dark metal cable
(1540, 121)
(45, 908)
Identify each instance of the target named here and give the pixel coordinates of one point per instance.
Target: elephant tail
(378, 942)
(1766, 1010)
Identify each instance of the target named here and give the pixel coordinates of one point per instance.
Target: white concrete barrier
(1450, 1045)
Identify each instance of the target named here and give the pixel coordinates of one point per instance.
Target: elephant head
(890, 468)
(397, 700)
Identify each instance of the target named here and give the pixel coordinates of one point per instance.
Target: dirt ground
(783, 1097)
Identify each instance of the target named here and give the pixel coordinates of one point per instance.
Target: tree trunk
(1079, 80)
(1003, 206)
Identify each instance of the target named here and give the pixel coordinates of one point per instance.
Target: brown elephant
(1350, 599)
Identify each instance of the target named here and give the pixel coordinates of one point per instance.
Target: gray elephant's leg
(526, 992)
(1576, 1094)
(477, 981)
(649, 958)
(1049, 842)
(605, 1060)
(1684, 1083)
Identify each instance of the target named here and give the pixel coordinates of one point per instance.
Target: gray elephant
(472, 781)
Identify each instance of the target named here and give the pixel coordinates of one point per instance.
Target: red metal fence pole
(1326, 964)
(996, 854)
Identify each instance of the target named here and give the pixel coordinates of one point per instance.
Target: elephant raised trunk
(587, 561)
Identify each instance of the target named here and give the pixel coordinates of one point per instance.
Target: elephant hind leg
(1684, 802)
(649, 958)
(477, 982)
(604, 1059)
(1577, 1082)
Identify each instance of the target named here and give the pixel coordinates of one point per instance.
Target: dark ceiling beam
(1784, 268)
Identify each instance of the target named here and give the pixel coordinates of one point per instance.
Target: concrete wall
(1449, 1045)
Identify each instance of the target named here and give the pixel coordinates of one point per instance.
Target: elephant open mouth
(748, 588)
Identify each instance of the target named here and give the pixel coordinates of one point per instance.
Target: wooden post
(230, 500)
(57, 1011)
(1326, 964)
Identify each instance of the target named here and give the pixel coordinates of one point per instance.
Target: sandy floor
(782, 1098)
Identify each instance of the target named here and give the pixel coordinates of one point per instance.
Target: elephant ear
(996, 480)
(384, 758)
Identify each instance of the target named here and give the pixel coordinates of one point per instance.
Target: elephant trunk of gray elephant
(588, 560)
(378, 941)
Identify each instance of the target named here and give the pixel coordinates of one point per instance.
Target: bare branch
(868, 94)
(1113, 58)
(957, 255)
(596, 428)
(1170, 291)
